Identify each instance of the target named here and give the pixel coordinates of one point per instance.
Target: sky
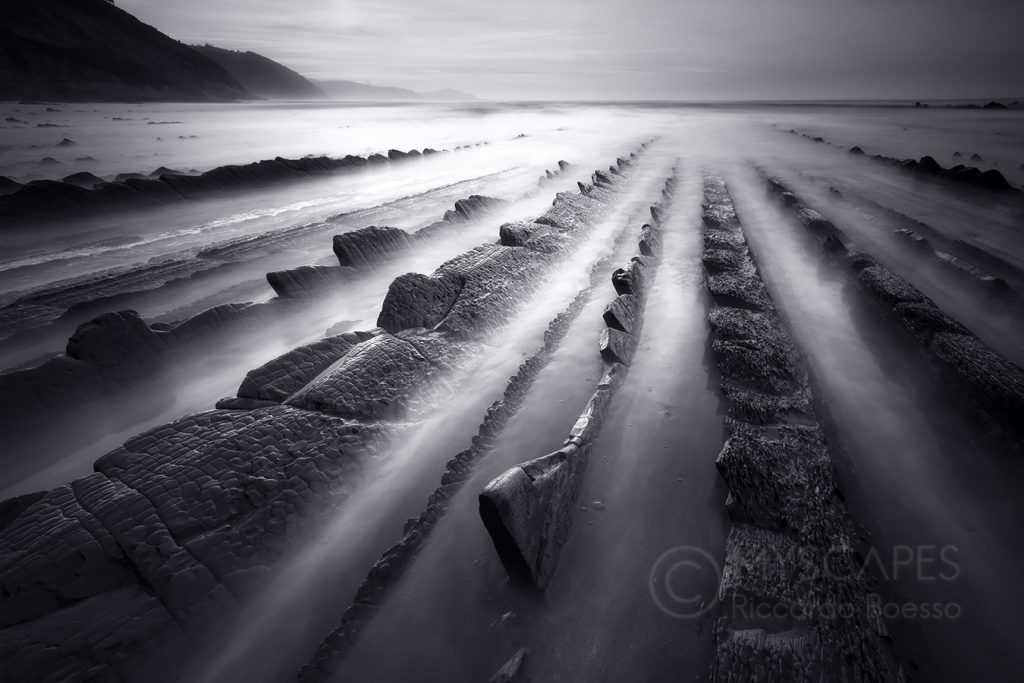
(697, 50)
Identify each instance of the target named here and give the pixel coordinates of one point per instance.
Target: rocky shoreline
(985, 382)
(389, 569)
(528, 510)
(114, 352)
(792, 598)
(990, 179)
(50, 199)
(184, 521)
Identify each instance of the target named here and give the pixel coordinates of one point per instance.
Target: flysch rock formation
(109, 353)
(792, 601)
(990, 179)
(186, 519)
(996, 285)
(41, 306)
(363, 249)
(49, 198)
(983, 380)
(527, 510)
(549, 175)
(973, 260)
(389, 569)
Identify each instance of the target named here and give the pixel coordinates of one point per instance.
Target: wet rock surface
(114, 351)
(990, 179)
(775, 622)
(992, 385)
(185, 520)
(308, 282)
(367, 246)
(389, 569)
(528, 510)
(360, 251)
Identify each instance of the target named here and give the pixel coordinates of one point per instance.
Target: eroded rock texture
(792, 604)
(171, 529)
(527, 510)
(362, 250)
(308, 282)
(185, 520)
(389, 569)
(479, 289)
(983, 379)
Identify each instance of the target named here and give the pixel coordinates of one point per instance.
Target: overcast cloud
(628, 49)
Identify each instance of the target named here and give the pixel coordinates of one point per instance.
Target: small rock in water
(598, 505)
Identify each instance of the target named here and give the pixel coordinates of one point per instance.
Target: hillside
(262, 76)
(92, 50)
(351, 90)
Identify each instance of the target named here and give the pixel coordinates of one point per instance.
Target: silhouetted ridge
(262, 76)
(92, 50)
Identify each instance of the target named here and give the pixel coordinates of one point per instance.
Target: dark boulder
(519, 233)
(416, 300)
(307, 282)
(83, 179)
(928, 165)
(993, 180)
(116, 338)
(369, 246)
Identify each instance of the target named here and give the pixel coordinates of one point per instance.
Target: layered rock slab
(527, 510)
(789, 560)
(992, 385)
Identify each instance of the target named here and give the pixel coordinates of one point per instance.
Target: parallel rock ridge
(527, 510)
(994, 284)
(362, 250)
(389, 569)
(984, 380)
(792, 602)
(990, 179)
(184, 520)
(107, 353)
(46, 198)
